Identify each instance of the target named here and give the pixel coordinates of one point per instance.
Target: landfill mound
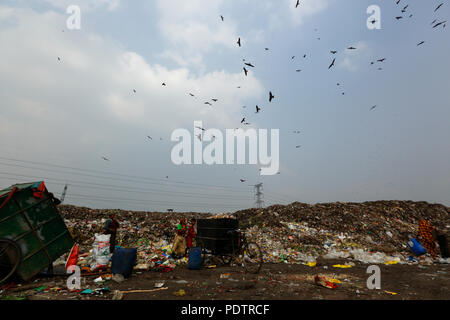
(371, 232)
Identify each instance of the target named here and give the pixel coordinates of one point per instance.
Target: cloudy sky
(67, 99)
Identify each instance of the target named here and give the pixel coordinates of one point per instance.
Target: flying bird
(439, 23)
(242, 180)
(246, 71)
(373, 107)
(191, 95)
(381, 60)
(163, 84)
(298, 146)
(332, 63)
(298, 70)
(249, 64)
(297, 4)
(438, 7)
(207, 102)
(351, 48)
(221, 17)
(292, 57)
(59, 59)
(333, 52)
(150, 137)
(243, 120)
(203, 129)
(271, 96)
(239, 42)
(420, 43)
(399, 17)
(267, 49)
(257, 109)
(106, 159)
(215, 100)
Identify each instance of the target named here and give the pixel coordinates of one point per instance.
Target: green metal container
(30, 219)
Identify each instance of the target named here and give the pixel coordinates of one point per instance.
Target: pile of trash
(371, 232)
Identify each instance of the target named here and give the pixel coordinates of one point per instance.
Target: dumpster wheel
(10, 256)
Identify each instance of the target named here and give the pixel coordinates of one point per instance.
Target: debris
(179, 293)
(118, 278)
(342, 266)
(324, 282)
(390, 292)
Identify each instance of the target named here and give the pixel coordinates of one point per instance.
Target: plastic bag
(73, 256)
(101, 252)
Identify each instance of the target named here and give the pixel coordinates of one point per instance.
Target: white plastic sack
(100, 251)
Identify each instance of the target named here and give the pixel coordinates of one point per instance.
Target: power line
(85, 184)
(114, 174)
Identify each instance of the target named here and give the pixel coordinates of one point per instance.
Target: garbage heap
(371, 232)
(151, 233)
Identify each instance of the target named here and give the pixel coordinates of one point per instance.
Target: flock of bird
(247, 65)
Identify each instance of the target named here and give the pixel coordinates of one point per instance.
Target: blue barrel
(123, 261)
(195, 258)
(416, 247)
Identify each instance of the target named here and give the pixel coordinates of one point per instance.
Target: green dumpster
(32, 232)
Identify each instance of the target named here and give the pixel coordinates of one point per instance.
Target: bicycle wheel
(10, 256)
(252, 259)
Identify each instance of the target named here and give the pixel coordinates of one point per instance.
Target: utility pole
(258, 195)
(63, 195)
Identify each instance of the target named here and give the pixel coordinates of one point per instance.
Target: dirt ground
(274, 282)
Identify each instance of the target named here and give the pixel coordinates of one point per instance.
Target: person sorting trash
(179, 243)
(111, 226)
(427, 235)
(190, 234)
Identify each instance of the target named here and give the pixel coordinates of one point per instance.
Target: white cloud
(194, 28)
(353, 59)
(85, 4)
(305, 9)
(87, 97)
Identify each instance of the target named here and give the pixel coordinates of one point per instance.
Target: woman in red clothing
(190, 234)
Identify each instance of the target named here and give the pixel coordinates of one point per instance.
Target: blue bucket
(416, 247)
(195, 258)
(123, 261)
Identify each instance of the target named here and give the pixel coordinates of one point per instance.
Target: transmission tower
(63, 195)
(259, 195)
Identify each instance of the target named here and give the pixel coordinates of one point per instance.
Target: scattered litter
(390, 292)
(179, 293)
(324, 282)
(118, 278)
(342, 266)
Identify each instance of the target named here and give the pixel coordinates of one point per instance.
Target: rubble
(370, 232)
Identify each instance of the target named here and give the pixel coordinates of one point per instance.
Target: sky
(67, 100)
